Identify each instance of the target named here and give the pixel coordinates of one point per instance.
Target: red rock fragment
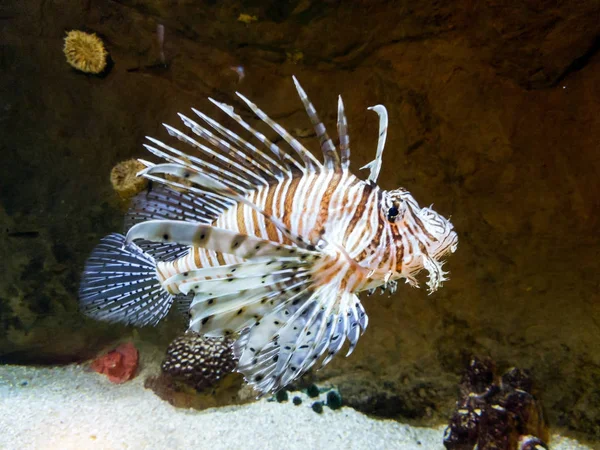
(118, 365)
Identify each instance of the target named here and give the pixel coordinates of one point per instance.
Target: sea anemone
(85, 52)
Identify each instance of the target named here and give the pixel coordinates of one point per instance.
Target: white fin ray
(119, 284)
(312, 163)
(233, 180)
(245, 269)
(230, 285)
(191, 175)
(293, 337)
(215, 203)
(354, 329)
(375, 165)
(284, 156)
(161, 202)
(228, 163)
(274, 168)
(255, 161)
(229, 313)
(307, 345)
(213, 238)
(342, 125)
(332, 160)
(208, 182)
(226, 313)
(303, 342)
(340, 329)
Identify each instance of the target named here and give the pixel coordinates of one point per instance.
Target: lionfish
(267, 245)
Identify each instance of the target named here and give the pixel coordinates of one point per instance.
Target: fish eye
(393, 212)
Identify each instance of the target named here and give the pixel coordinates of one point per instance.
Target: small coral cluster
(496, 414)
(198, 361)
(332, 398)
(85, 52)
(119, 365)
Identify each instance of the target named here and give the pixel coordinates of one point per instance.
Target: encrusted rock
(496, 414)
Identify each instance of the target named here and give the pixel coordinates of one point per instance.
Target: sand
(71, 408)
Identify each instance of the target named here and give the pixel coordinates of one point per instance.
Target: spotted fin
(206, 182)
(287, 323)
(216, 239)
(310, 162)
(342, 125)
(332, 160)
(234, 161)
(288, 341)
(162, 202)
(119, 284)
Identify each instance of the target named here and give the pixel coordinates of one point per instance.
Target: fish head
(440, 237)
(423, 237)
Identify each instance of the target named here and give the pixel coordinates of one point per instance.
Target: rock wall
(494, 116)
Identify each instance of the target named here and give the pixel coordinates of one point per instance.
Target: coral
(85, 52)
(312, 391)
(124, 179)
(198, 373)
(247, 18)
(317, 407)
(496, 414)
(282, 396)
(334, 400)
(119, 365)
(198, 361)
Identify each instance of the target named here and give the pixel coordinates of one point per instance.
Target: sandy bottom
(69, 408)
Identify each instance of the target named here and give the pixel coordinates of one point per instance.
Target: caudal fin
(119, 284)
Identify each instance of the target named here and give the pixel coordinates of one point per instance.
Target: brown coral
(199, 361)
(124, 178)
(496, 414)
(85, 52)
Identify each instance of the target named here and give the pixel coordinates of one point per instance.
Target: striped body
(337, 204)
(265, 244)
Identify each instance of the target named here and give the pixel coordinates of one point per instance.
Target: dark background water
(494, 117)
